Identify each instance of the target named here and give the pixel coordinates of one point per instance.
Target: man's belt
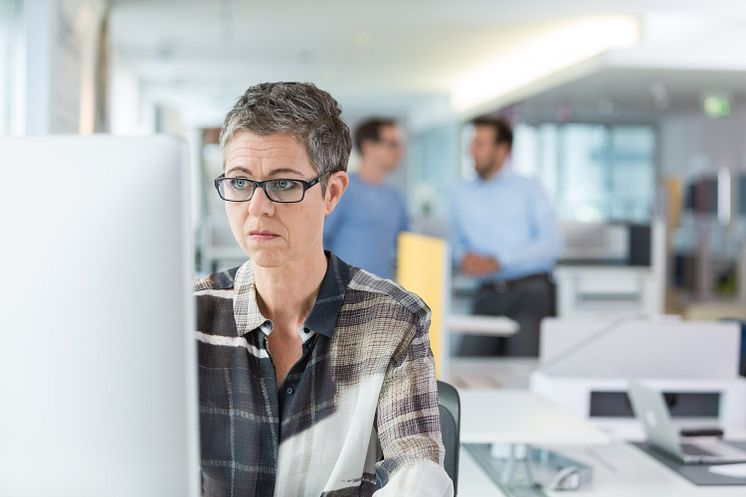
(501, 286)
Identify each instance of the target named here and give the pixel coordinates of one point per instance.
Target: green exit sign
(716, 106)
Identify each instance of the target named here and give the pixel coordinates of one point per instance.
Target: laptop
(98, 371)
(650, 408)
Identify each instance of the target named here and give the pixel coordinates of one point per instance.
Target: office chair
(449, 407)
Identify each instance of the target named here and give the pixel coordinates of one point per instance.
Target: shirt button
(289, 390)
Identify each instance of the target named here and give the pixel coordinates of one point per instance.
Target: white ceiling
(624, 94)
(385, 55)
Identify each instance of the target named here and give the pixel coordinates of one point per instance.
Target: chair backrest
(449, 407)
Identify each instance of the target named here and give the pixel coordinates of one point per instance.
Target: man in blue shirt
(364, 228)
(504, 233)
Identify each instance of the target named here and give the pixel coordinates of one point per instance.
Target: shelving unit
(708, 246)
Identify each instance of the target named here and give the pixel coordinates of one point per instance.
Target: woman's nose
(260, 204)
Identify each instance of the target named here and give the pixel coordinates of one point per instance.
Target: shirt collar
(499, 177)
(323, 316)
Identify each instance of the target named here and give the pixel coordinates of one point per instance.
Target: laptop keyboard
(694, 450)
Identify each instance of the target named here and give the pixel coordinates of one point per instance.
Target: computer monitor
(98, 390)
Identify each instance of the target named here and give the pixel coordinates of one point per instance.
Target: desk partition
(423, 268)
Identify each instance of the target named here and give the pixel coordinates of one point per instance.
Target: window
(594, 172)
(10, 64)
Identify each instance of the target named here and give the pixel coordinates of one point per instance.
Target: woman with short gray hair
(316, 377)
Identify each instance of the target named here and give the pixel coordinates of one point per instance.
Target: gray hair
(301, 110)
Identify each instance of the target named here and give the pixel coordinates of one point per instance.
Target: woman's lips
(262, 235)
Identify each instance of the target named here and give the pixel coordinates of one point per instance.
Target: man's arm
(471, 263)
(408, 423)
(477, 265)
(403, 214)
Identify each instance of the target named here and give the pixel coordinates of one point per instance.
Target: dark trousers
(526, 302)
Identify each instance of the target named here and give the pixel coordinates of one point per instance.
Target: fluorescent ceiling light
(555, 49)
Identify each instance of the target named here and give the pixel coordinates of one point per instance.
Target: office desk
(520, 416)
(496, 326)
(619, 470)
(472, 480)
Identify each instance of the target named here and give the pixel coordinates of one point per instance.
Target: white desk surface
(619, 470)
(472, 480)
(521, 416)
(481, 325)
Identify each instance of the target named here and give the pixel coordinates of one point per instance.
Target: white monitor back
(639, 348)
(97, 361)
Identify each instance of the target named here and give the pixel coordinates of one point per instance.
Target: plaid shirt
(357, 413)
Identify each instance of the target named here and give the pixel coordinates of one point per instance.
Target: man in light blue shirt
(364, 228)
(504, 233)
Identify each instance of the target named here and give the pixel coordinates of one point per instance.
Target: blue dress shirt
(364, 227)
(509, 218)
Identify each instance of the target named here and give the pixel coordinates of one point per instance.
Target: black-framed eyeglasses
(280, 190)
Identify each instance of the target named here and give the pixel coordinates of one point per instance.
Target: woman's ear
(335, 187)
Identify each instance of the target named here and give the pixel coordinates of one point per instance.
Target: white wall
(60, 40)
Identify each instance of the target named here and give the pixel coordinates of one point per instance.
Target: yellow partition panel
(423, 268)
